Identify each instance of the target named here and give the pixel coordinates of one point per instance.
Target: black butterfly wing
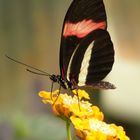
(82, 18)
(92, 60)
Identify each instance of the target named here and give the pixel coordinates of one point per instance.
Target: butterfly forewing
(86, 52)
(82, 18)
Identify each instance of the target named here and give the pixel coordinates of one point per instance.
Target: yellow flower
(48, 97)
(58, 101)
(81, 94)
(86, 118)
(94, 129)
(66, 106)
(120, 132)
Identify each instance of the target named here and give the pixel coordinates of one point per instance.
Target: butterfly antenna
(37, 73)
(19, 62)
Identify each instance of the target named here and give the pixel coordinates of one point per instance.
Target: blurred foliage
(24, 127)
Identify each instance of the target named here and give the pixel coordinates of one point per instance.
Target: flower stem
(68, 129)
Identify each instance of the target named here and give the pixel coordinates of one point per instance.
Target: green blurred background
(30, 32)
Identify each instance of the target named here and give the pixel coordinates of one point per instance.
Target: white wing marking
(85, 64)
(68, 70)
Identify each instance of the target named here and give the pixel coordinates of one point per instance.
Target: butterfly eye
(53, 78)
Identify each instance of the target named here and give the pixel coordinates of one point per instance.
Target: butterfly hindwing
(92, 59)
(102, 57)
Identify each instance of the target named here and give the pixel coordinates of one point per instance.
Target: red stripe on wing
(82, 28)
(62, 73)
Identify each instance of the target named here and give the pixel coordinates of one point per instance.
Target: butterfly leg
(78, 98)
(76, 88)
(52, 89)
(58, 95)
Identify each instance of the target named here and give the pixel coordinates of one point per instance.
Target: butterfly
(86, 50)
